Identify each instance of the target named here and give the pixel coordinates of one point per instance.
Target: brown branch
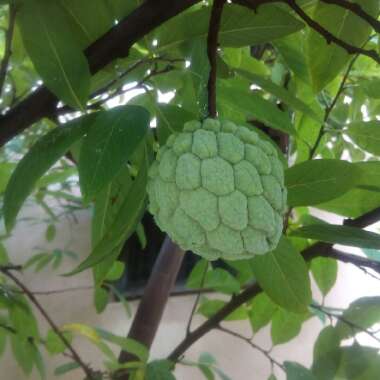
(212, 51)
(48, 319)
(329, 37)
(8, 46)
(316, 250)
(156, 293)
(358, 10)
(112, 45)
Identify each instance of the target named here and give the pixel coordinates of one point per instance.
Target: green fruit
(218, 190)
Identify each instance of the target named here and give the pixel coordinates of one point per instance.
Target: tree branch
(8, 46)
(358, 10)
(316, 250)
(212, 51)
(114, 44)
(329, 37)
(6, 271)
(156, 293)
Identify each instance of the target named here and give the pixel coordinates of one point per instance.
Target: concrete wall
(235, 357)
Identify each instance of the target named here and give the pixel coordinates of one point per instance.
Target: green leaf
(64, 368)
(261, 312)
(50, 232)
(128, 216)
(23, 353)
(39, 159)
(366, 134)
(327, 60)
(318, 181)
(295, 371)
(208, 308)
(286, 325)
(358, 201)
(159, 370)
(54, 344)
(362, 313)
(106, 207)
(327, 354)
(6, 169)
(116, 271)
(54, 51)
(281, 93)
(336, 234)
(194, 280)
(249, 104)
(360, 362)
(170, 119)
(109, 145)
(239, 26)
(127, 344)
(325, 271)
(101, 298)
(89, 20)
(371, 87)
(222, 281)
(283, 275)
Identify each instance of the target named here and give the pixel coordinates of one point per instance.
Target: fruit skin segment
(217, 189)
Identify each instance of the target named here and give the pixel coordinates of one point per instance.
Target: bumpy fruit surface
(218, 190)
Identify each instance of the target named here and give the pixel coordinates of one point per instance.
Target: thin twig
(48, 319)
(253, 345)
(358, 10)
(194, 308)
(8, 46)
(329, 37)
(331, 107)
(212, 51)
(353, 325)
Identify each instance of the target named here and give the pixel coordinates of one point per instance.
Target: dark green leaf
(335, 234)
(361, 314)
(109, 145)
(159, 370)
(128, 216)
(249, 104)
(40, 158)
(55, 53)
(295, 371)
(327, 354)
(281, 93)
(239, 26)
(170, 119)
(317, 181)
(283, 275)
